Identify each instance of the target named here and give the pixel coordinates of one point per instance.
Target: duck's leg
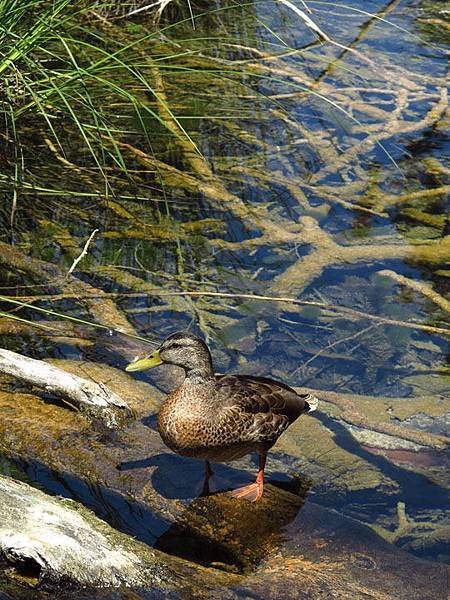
(254, 491)
(208, 474)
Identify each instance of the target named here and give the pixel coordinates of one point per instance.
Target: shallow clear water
(296, 178)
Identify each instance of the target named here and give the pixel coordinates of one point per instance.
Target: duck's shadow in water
(180, 478)
(218, 530)
(234, 535)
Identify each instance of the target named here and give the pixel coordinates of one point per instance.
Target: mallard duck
(221, 417)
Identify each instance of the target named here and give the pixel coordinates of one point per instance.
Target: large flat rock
(217, 546)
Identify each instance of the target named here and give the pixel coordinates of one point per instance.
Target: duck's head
(182, 349)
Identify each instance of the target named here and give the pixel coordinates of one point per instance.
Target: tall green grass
(61, 70)
(84, 82)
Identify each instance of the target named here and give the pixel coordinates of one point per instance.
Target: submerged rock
(326, 555)
(218, 546)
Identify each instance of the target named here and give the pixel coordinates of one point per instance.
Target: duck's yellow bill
(141, 364)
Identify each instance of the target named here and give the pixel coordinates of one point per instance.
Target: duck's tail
(312, 402)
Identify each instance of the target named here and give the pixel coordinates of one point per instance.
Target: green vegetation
(68, 77)
(279, 188)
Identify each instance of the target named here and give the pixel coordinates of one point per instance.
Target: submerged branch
(348, 312)
(418, 286)
(388, 201)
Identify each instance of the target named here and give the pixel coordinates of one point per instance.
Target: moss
(416, 214)
(309, 439)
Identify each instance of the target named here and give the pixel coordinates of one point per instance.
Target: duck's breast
(186, 419)
(193, 425)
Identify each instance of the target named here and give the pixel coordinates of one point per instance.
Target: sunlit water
(280, 167)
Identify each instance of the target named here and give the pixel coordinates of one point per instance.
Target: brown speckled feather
(268, 406)
(261, 395)
(229, 416)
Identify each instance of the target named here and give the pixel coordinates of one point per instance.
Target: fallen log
(93, 399)
(51, 540)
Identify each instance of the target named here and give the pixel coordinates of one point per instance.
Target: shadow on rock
(180, 478)
(222, 532)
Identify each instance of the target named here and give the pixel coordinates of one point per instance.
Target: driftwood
(52, 540)
(94, 399)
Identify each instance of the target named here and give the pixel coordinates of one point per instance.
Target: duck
(221, 418)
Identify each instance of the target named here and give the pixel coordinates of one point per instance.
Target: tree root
(328, 253)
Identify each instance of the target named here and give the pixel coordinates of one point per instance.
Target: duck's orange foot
(252, 492)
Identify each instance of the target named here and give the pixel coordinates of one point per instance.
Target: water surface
(320, 175)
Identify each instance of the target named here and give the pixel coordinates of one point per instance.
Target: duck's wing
(263, 395)
(263, 407)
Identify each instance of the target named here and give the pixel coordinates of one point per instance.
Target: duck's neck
(196, 376)
(202, 373)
